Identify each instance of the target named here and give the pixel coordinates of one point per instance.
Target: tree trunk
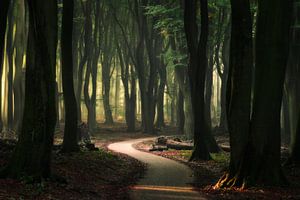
(254, 159)
(209, 138)
(271, 61)
(239, 87)
(292, 88)
(117, 93)
(87, 40)
(76, 35)
(160, 121)
(106, 74)
(197, 72)
(4, 6)
(20, 40)
(70, 131)
(9, 52)
(32, 155)
(180, 112)
(225, 57)
(147, 85)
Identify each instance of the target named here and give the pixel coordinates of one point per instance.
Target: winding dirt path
(165, 179)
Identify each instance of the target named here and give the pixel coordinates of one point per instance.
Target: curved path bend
(164, 179)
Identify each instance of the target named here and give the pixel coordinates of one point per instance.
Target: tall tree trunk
(273, 25)
(117, 93)
(32, 155)
(92, 65)
(77, 29)
(87, 41)
(160, 121)
(292, 88)
(197, 71)
(4, 6)
(209, 138)
(225, 57)
(20, 40)
(239, 87)
(180, 112)
(149, 40)
(106, 73)
(9, 52)
(70, 131)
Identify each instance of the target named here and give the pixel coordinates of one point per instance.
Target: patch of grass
(221, 158)
(186, 154)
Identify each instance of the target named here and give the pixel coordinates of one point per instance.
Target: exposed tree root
(229, 182)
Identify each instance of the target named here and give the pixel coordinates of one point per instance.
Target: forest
(150, 99)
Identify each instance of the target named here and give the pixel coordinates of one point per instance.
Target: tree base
(200, 156)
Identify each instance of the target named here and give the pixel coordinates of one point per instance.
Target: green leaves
(168, 18)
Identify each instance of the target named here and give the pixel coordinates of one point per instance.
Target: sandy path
(165, 179)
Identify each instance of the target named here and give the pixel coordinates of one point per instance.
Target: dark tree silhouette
(197, 71)
(70, 132)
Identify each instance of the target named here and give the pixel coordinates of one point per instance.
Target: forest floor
(207, 174)
(107, 175)
(85, 175)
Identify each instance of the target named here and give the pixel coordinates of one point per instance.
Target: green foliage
(175, 59)
(169, 19)
(186, 154)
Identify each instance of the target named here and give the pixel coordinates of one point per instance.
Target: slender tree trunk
(77, 28)
(160, 122)
(20, 40)
(88, 41)
(4, 6)
(225, 57)
(180, 112)
(197, 71)
(9, 52)
(106, 75)
(209, 138)
(92, 65)
(70, 131)
(117, 93)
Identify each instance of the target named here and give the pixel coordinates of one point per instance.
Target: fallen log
(158, 148)
(171, 144)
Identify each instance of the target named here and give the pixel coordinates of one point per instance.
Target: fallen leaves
(84, 175)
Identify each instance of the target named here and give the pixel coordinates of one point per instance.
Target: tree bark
(272, 44)
(197, 72)
(4, 6)
(21, 29)
(239, 88)
(292, 88)
(180, 112)
(70, 131)
(9, 52)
